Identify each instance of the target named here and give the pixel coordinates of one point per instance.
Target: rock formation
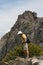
(30, 24)
(24, 61)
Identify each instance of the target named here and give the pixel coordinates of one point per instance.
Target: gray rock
(22, 61)
(28, 23)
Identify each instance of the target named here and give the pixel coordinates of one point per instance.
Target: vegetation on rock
(34, 50)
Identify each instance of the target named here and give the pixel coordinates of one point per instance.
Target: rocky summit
(30, 24)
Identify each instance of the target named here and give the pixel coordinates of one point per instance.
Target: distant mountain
(30, 24)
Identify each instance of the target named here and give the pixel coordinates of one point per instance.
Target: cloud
(10, 9)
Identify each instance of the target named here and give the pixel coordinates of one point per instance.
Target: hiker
(25, 45)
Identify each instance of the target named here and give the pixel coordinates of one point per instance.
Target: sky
(10, 9)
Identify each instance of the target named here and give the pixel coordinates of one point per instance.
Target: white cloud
(10, 11)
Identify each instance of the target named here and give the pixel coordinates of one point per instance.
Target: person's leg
(25, 53)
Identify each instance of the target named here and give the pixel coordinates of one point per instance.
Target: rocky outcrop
(25, 61)
(30, 24)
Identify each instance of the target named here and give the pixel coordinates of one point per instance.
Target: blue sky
(10, 9)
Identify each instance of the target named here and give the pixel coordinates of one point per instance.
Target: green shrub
(12, 53)
(34, 50)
